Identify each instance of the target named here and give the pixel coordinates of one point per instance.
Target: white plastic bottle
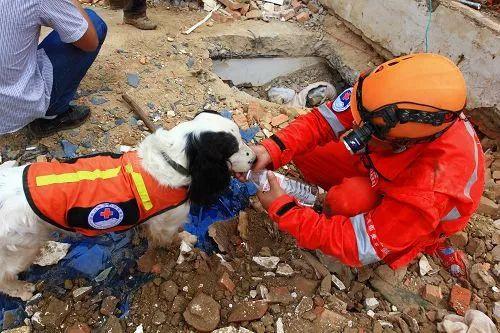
(305, 194)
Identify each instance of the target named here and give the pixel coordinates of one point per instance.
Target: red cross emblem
(107, 213)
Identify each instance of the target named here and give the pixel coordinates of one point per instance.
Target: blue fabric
(70, 64)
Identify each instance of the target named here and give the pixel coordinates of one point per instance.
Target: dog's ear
(208, 154)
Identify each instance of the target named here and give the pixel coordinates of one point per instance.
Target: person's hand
(262, 159)
(267, 198)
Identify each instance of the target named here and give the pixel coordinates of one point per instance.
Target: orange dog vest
(97, 194)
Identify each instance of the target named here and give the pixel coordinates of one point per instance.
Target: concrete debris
(480, 276)
(267, 262)
(203, 313)
(81, 292)
(338, 283)
(306, 304)
(139, 329)
(424, 266)
(371, 303)
(247, 311)
(284, 270)
(51, 253)
(184, 248)
(279, 326)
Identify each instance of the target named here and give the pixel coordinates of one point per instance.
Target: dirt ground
(207, 292)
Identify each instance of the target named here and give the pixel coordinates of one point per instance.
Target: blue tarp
(105, 261)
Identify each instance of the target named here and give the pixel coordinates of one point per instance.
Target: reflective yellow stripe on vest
(140, 186)
(74, 177)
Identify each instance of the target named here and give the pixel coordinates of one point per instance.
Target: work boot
(74, 117)
(453, 260)
(143, 22)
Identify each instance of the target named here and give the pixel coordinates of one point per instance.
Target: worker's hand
(267, 198)
(263, 159)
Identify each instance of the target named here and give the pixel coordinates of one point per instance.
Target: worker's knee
(353, 196)
(100, 26)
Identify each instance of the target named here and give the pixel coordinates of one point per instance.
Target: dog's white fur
(22, 232)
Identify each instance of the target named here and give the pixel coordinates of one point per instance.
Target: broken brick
(226, 281)
(312, 7)
(240, 120)
(235, 14)
(232, 5)
(460, 299)
(254, 14)
(278, 120)
(432, 294)
(245, 9)
(290, 14)
(302, 17)
(488, 207)
(255, 111)
(296, 4)
(218, 17)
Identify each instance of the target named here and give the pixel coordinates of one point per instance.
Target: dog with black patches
(154, 186)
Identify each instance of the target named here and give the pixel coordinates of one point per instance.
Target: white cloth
(473, 322)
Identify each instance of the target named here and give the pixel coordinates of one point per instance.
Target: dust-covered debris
(51, 253)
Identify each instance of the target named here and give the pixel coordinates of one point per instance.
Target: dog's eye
(248, 154)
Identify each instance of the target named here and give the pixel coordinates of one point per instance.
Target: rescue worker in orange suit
(402, 165)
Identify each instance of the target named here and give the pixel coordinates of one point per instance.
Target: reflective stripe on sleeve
(452, 215)
(332, 119)
(473, 178)
(366, 252)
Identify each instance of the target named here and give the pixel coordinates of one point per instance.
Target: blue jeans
(70, 64)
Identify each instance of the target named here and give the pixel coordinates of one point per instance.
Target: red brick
(302, 17)
(218, 17)
(460, 299)
(254, 14)
(296, 4)
(226, 281)
(278, 120)
(432, 294)
(235, 14)
(231, 4)
(245, 9)
(312, 7)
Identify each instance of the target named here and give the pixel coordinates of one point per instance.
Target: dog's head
(214, 151)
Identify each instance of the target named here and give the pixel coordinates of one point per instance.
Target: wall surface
(465, 35)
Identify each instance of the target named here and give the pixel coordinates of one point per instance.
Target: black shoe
(74, 117)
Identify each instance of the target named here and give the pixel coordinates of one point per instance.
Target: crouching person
(37, 82)
(403, 166)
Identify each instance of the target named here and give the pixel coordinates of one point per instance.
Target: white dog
(193, 162)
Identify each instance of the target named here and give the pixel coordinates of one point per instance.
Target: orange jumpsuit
(97, 194)
(387, 206)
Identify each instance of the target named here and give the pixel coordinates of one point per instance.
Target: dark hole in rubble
(256, 76)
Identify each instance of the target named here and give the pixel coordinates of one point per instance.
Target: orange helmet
(417, 96)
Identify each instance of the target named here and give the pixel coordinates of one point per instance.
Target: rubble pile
(283, 10)
(261, 282)
(490, 201)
